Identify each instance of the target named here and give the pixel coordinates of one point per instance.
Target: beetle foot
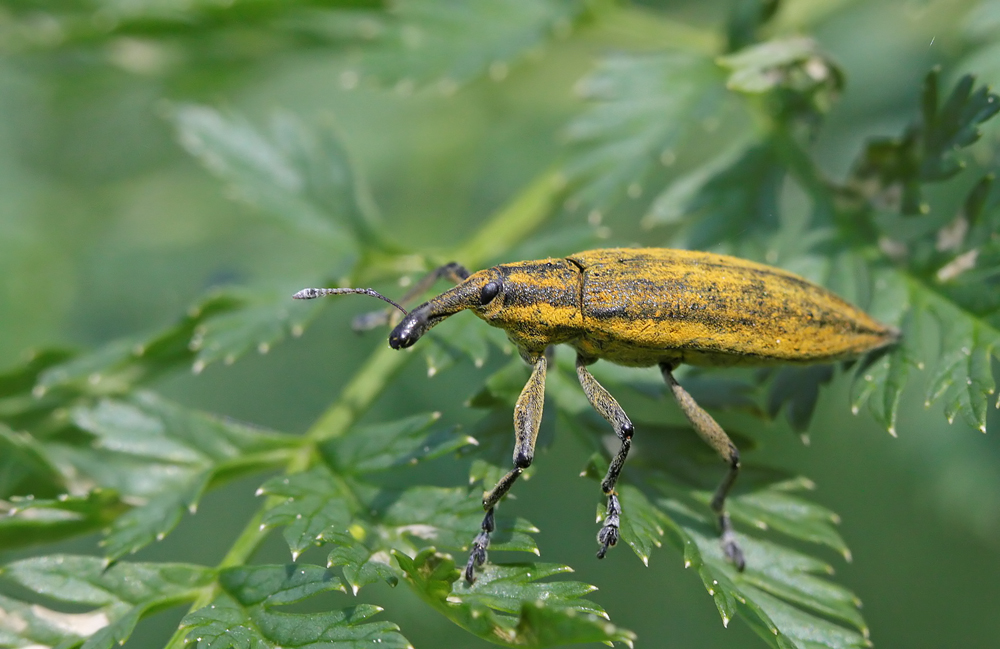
(477, 554)
(610, 532)
(730, 546)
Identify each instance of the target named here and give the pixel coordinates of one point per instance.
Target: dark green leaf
(927, 151)
(267, 317)
(400, 443)
(642, 529)
(277, 585)
(450, 42)
(161, 453)
(507, 605)
(778, 594)
(643, 107)
(775, 509)
(315, 502)
(23, 459)
(798, 82)
(121, 594)
(123, 363)
(30, 521)
(450, 518)
(359, 564)
(242, 616)
(738, 191)
(302, 178)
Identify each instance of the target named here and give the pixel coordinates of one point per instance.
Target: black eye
(490, 291)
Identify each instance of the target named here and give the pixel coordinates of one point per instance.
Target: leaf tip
(892, 431)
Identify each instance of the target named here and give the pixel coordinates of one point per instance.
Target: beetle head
(477, 292)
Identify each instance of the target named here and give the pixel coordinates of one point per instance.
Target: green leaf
(400, 443)
(121, 595)
(799, 82)
(643, 106)
(360, 565)
(736, 191)
(242, 615)
(124, 363)
(960, 373)
(450, 42)
(508, 606)
(449, 518)
(21, 379)
(963, 375)
(277, 585)
(765, 66)
(151, 450)
(772, 569)
(642, 529)
(30, 521)
(24, 460)
(775, 509)
(300, 177)
(797, 390)
(315, 502)
(928, 150)
(778, 594)
(267, 317)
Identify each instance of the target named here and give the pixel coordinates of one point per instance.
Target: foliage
(88, 443)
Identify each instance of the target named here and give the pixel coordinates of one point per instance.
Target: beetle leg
(608, 407)
(527, 419)
(712, 433)
(452, 271)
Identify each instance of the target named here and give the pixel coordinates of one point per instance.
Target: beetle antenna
(312, 293)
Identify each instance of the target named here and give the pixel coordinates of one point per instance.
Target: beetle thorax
(538, 303)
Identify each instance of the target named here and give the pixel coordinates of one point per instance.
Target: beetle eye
(490, 291)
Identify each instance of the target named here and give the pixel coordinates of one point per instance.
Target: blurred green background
(107, 227)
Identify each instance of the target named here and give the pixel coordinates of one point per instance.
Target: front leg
(527, 419)
(712, 433)
(608, 407)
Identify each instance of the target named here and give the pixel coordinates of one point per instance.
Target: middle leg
(608, 407)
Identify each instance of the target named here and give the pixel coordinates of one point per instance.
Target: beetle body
(641, 307)
(646, 306)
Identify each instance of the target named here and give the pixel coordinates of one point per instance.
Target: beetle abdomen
(650, 305)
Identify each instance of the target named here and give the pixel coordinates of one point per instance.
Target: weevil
(640, 307)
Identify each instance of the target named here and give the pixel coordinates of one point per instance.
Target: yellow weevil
(640, 307)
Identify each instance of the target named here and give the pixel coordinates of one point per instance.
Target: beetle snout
(407, 332)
